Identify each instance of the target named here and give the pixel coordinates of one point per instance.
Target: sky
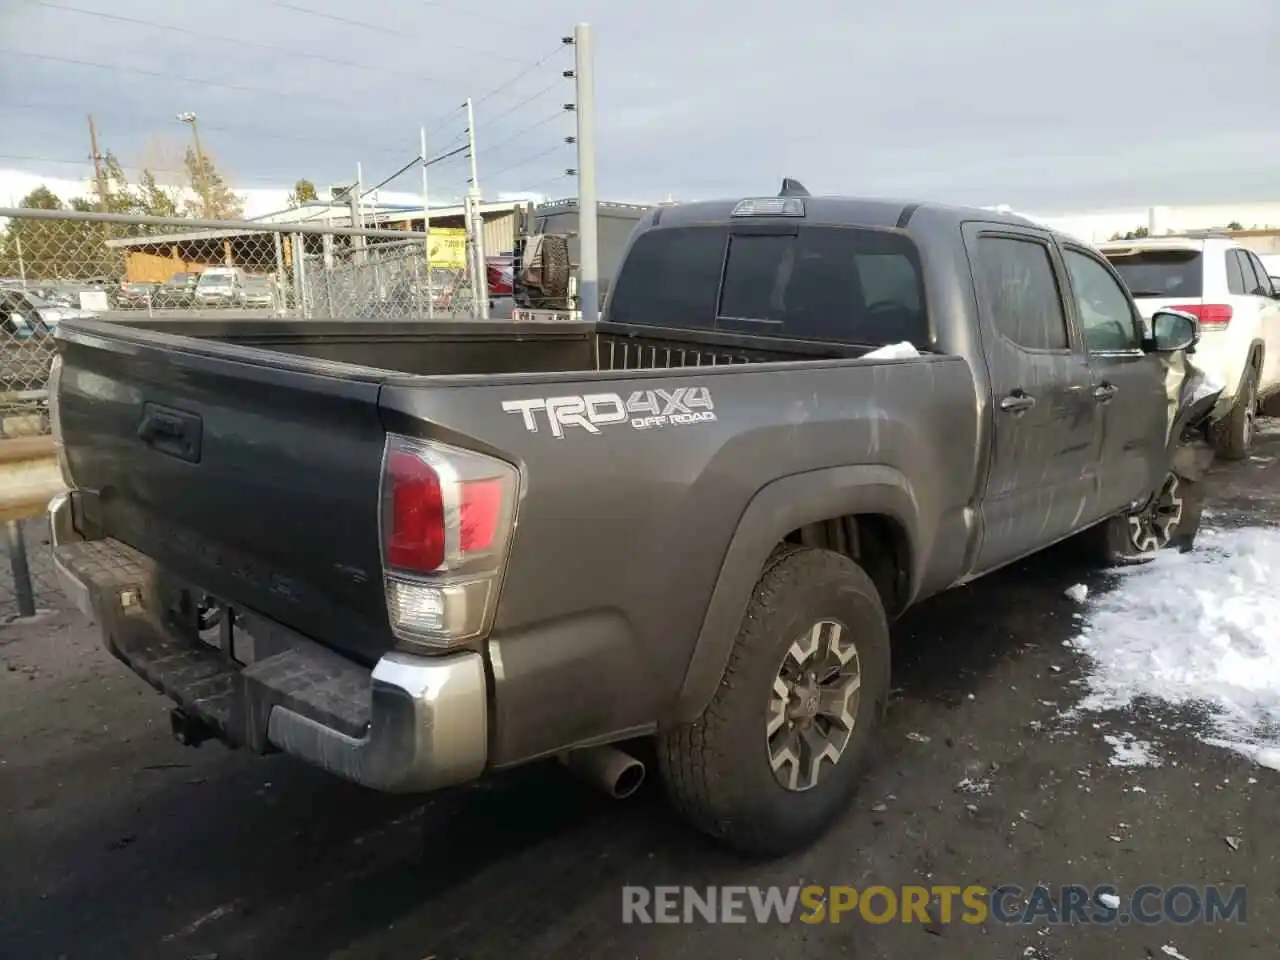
(1050, 107)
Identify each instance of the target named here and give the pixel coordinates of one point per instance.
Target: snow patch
(1194, 630)
(1128, 751)
(1079, 593)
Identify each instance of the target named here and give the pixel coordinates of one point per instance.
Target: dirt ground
(116, 842)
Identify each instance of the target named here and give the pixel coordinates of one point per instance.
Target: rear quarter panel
(622, 533)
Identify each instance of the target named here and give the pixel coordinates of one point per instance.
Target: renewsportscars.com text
(936, 904)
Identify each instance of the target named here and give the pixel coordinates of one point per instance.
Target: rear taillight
(447, 516)
(1213, 316)
(52, 386)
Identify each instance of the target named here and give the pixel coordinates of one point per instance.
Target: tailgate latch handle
(159, 425)
(173, 432)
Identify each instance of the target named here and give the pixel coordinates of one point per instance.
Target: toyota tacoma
(415, 553)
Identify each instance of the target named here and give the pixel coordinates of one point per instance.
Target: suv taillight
(1213, 316)
(447, 515)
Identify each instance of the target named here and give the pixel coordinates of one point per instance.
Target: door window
(1017, 286)
(1256, 280)
(1106, 315)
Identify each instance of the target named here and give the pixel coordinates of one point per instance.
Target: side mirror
(1174, 330)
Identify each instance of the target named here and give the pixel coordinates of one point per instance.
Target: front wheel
(1170, 518)
(778, 753)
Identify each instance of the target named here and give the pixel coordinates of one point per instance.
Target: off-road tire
(1109, 542)
(555, 267)
(717, 770)
(1233, 434)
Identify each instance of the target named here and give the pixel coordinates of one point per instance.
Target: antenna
(792, 188)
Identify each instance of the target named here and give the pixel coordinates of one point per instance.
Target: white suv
(1227, 287)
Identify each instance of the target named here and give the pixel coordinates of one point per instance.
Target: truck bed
(245, 458)
(452, 347)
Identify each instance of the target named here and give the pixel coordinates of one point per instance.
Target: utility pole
(98, 176)
(475, 237)
(357, 213)
(426, 225)
(202, 179)
(588, 206)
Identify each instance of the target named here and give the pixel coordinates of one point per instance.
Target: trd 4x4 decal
(643, 410)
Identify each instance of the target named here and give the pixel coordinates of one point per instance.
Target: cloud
(1052, 106)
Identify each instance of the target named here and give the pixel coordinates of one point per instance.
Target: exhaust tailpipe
(616, 773)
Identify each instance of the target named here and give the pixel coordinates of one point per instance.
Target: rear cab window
(1160, 273)
(838, 284)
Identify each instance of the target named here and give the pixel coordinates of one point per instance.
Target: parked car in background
(28, 314)
(178, 292)
(134, 296)
(500, 271)
(1226, 286)
(27, 323)
(220, 287)
(259, 292)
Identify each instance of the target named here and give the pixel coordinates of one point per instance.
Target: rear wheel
(1233, 434)
(778, 753)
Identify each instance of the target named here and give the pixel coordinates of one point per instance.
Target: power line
(222, 128)
(538, 187)
(559, 47)
(377, 28)
(445, 156)
(415, 162)
(522, 163)
(87, 162)
(527, 100)
(241, 42)
(520, 133)
(524, 25)
(172, 76)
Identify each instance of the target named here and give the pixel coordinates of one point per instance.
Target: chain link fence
(57, 265)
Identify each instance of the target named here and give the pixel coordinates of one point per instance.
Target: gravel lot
(119, 843)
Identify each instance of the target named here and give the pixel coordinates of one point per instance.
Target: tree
(153, 199)
(303, 191)
(214, 199)
(1235, 225)
(1137, 234)
(45, 249)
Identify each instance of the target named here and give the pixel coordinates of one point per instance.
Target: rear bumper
(411, 724)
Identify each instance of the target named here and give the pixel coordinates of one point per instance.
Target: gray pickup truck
(415, 553)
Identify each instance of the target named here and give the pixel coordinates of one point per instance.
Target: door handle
(1017, 402)
(1103, 392)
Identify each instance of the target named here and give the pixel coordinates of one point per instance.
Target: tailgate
(249, 473)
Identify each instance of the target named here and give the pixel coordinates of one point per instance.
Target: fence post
(280, 287)
(299, 283)
(21, 570)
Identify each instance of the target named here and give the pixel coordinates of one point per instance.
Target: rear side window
(1160, 273)
(1018, 289)
(670, 278)
(839, 284)
(1239, 278)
